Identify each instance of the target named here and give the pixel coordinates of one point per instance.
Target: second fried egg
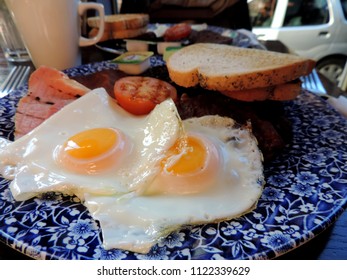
(213, 173)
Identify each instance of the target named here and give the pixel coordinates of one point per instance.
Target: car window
(261, 12)
(344, 7)
(306, 12)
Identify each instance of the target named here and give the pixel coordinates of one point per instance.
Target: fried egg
(212, 173)
(90, 146)
(141, 177)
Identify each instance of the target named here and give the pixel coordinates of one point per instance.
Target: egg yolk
(91, 143)
(191, 158)
(189, 167)
(93, 151)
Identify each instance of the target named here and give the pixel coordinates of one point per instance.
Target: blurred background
(313, 28)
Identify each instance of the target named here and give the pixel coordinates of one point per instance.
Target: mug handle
(82, 8)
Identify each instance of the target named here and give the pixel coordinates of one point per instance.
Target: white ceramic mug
(51, 30)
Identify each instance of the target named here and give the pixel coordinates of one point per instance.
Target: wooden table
(329, 245)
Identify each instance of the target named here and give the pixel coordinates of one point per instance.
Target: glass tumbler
(10, 40)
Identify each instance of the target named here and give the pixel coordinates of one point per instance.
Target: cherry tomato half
(139, 95)
(177, 32)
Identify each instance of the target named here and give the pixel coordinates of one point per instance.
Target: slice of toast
(228, 68)
(118, 34)
(120, 26)
(120, 21)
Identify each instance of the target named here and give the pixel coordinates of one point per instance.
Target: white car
(312, 28)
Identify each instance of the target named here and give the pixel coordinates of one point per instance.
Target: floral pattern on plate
(305, 191)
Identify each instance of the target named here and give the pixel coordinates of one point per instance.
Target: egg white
(31, 165)
(136, 222)
(133, 216)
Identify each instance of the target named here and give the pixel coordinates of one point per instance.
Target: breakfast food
(172, 36)
(177, 32)
(209, 36)
(118, 34)
(199, 170)
(49, 90)
(139, 95)
(134, 63)
(120, 26)
(281, 92)
(218, 178)
(230, 69)
(91, 145)
(159, 47)
(140, 177)
(269, 123)
(272, 130)
(121, 21)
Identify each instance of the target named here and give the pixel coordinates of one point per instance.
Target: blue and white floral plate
(305, 191)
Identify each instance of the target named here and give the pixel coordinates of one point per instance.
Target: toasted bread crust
(283, 92)
(118, 34)
(107, 35)
(129, 33)
(120, 26)
(120, 21)
(228, 68)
